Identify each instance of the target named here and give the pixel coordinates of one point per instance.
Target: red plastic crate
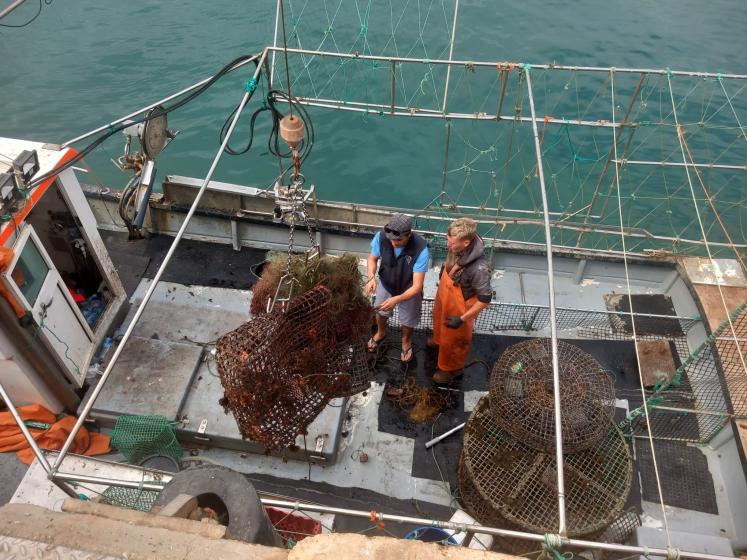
(295, 526)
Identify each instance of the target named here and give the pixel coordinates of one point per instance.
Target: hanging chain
(292, 194)
(297, 210)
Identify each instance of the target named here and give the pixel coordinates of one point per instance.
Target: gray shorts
(409, 310)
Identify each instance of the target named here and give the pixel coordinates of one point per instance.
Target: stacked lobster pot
(508, 469)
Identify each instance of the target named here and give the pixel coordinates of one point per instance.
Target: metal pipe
(690, 411)
(624, 162)
(451, 52)
(459, 527)
(562, 529)
(658, 71)
(393, 87)
(514, 210)
(156, 279)
(274, 42)
(430, 443)
(10, 8)
(610, 157)
(474, 528)
(24, 429)
(504, 83)
(446, 164)
(103, 481)
(400, 111)
(152, 105)
(32, 442)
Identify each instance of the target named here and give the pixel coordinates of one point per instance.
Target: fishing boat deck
(199, 300)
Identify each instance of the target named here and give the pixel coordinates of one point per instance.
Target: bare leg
(406, 337)
(380, 327)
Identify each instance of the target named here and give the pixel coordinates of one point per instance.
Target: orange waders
(453, 344)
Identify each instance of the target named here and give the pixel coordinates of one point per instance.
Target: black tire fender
(214, 486)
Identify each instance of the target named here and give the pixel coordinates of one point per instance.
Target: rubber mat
(654, 304)
(685, 478)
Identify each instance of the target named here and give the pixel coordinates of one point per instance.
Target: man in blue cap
(404, 262)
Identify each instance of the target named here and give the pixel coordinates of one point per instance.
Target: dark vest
(395, 272)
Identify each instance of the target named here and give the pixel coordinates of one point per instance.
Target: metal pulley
(292, 130)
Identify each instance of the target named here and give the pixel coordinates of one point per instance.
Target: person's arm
(483, 291)
(372, 263)
(418, 278)
(474, 311)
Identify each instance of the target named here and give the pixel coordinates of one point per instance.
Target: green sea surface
(82, 63)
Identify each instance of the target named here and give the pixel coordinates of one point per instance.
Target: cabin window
(60, 233)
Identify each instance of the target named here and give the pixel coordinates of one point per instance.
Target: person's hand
(370, 287)
(454, 322)
(388, 304)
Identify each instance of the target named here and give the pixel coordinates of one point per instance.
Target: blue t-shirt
(421, 263)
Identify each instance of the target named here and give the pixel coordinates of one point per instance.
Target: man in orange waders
(463, 291)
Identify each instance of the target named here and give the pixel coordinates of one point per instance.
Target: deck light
(26, 165)
(8, 192)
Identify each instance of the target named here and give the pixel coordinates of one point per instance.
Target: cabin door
(58, 323)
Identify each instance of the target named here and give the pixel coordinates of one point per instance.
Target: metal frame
(492, 64)
(59, 478)
(562, 528)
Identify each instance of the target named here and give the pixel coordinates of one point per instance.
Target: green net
(138, 437)
(130, 498)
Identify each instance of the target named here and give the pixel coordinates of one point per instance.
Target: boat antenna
(285, 51)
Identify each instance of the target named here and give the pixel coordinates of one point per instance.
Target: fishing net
(140, 436)
(280, 369)
(130, 498)
(422, 403)
(520, 483)
(522, 402)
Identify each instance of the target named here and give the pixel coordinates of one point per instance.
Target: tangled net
(521, 396)
(280, 369)
(422, 403)
(349, 310)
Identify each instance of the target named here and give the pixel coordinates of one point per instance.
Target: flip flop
(406, 353)
(373, 345)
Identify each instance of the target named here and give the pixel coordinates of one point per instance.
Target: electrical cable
(274, 145)
(151, 115)
(29, 22)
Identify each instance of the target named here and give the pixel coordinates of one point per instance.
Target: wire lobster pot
(280, 370)
(519, 483)
(619, 531)
(521, 396)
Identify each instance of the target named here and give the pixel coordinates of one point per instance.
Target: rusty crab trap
(518, 484)
(281, 369)
(522, 402)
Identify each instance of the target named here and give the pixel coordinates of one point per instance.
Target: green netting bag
(138, 437)
(130, 498)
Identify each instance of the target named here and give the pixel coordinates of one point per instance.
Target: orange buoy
(292, 130)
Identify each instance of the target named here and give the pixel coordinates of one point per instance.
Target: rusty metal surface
(656, 362)
(280, 370)
(519, 483)
(521, 396)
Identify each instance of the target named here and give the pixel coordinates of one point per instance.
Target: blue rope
(251, 85)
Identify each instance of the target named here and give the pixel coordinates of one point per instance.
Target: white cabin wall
(21, 381)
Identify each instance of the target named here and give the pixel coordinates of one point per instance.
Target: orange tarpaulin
(11, 437)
